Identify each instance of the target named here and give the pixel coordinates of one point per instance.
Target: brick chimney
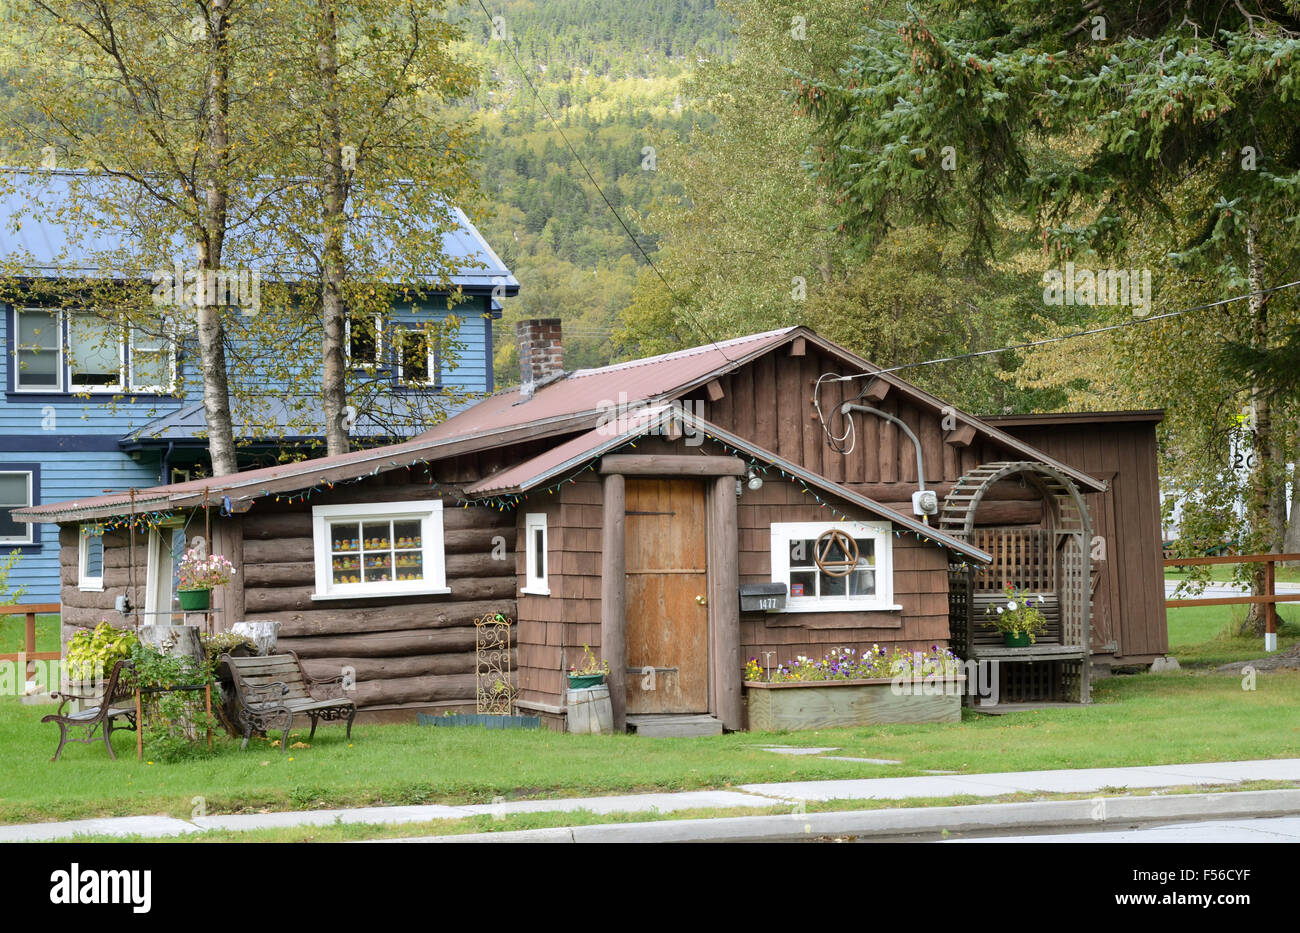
(541, 353)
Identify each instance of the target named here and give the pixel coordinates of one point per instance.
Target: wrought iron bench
(113, 700)
(271, 690)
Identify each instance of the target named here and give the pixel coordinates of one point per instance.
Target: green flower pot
(1016, 640)
(579, 681)
(194, 599)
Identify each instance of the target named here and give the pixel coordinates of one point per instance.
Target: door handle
(702, 600)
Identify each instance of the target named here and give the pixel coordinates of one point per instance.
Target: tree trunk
(333, 364)
(212, 336)
(1265, 502)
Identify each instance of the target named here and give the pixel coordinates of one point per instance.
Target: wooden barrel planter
(827, 704)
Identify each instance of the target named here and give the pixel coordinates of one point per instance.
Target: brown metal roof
(573, 454)
(593, 391)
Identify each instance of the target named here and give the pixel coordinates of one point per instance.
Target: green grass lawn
(1187, 716)
(13, 632)
(1199, 636)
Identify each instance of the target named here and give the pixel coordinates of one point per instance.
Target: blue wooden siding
(66, 475)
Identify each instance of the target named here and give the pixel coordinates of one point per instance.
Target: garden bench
(271, 690)
(110, 701)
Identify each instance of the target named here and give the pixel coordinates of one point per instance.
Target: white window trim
(377, 362)
(29, 539)
(535, 585)
(64, 384)
(58, 349)
(129, 367)
(882, 532)
(428, 512)
(116, 388)
(85, 582)
(431, 364)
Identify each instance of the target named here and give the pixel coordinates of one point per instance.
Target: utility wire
(1076, 334)
(617, 216)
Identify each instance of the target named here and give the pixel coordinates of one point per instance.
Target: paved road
(1276, 829)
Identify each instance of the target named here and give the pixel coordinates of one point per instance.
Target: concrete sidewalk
(1091, 780)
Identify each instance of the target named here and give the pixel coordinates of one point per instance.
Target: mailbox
(762, 597)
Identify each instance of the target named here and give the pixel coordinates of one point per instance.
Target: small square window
(418, 358)
(363, 339)
(866, 584)
(378, 549)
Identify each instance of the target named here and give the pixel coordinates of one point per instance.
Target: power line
(1082, 333)
(617, 216)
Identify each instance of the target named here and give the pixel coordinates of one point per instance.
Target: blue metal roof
(38, 207)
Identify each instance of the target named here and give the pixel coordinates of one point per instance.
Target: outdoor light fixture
(755, 481)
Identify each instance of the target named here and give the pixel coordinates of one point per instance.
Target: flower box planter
(582, 681)
(826, 704)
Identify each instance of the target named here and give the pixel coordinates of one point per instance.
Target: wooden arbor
(1051, 559)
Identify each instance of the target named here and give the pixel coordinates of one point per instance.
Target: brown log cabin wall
(553, 629)
(920, 587)
(1128, 603)
(406, 651)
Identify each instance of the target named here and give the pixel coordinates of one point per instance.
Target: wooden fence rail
(1269, 599)
(29, 655)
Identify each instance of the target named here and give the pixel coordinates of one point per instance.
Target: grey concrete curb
(903, 822)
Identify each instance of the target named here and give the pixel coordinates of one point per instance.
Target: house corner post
(726, 603)
(613, 595)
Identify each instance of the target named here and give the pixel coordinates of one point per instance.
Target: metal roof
(37, 209)
(602, 390)
(573, 454)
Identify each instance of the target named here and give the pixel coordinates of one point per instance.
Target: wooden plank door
(667, 582)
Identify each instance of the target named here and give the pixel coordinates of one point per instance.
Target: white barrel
(590, 711)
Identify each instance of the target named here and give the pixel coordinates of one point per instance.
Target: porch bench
(271, 690)
(1045, 667)
(113, 702)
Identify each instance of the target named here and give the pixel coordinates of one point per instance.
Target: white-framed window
(536, 582)
(365, 339)
(38, 351)
(869, 586)
(90, 558)
(77, 351)
(417, 358)
(378, 549)
(153, 364)
(15, 493)
(96, 354)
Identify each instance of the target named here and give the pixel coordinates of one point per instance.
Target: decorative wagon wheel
(826, 543)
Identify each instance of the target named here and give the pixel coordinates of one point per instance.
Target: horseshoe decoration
(828, 542)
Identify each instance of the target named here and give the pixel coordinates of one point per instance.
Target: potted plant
(590, 673)
(1017, 617)
(198, 574)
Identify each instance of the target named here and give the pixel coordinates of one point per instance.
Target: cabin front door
(667, 586)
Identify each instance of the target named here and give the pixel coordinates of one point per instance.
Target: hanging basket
(194, 599)
(581, 681)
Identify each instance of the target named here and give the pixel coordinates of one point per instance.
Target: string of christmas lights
(510, 501)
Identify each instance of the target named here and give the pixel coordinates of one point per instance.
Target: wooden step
(674, 724)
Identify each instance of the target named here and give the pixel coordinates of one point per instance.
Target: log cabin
(679, 514)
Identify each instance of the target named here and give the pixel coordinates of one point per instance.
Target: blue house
(88, 410)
